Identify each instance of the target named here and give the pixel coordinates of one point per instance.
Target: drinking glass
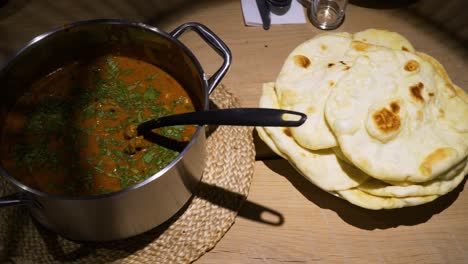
(327, 14)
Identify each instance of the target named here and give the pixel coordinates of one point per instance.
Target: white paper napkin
(295, 14)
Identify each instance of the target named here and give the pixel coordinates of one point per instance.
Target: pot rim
(130, 23)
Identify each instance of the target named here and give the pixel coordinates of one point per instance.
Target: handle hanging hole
(290, 117)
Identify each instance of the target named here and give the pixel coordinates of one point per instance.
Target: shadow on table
(360, 217)
(262, 151)
(249, 210)
(443, 22)
(431, 16)
(10, 7)
(378, 4)
(22, 20)
(63, 250)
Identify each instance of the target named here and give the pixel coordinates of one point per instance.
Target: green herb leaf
(148, 157)
(174, 132)
(151, 94)
(113, 67)
(118, 154)
(151, 77)
(152, 171)
(103, 190)
(112, 175)
(127, 71)
(89, 111)
(140, 117)
(133, 86)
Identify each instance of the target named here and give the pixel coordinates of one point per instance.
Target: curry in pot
(73, 132)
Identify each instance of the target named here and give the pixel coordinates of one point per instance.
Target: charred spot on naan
(311, 109)
(411, 66)
(441, 112)
(287, 132)
(360, 46)
(301, 61)
(416, 92)
(419, 115)
(386, 120)
(385, 123)
(395, 107)
(437, 156)
(441, 70)
(451, 88)
(289, 96)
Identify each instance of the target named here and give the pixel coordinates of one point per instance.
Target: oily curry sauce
(67, 134)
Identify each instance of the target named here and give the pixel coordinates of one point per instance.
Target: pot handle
(215, 42)
(13, 199)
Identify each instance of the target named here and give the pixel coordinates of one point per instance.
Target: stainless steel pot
(148, 204)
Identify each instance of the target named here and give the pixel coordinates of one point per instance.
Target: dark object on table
(230, 117)
(279, 7)
(264, 13)
(125, 213)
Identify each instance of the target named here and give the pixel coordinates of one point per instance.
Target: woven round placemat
(182, 239)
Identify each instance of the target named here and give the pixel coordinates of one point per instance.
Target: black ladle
(229, 117)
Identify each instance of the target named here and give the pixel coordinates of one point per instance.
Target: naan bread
(322, 168)
(340, 155)
(365, 200)
(305, 81)
(375, 107)
(395, 118)
(438, 186)
(311, 71)
(384, 38)
(269, 142)
(441, 70)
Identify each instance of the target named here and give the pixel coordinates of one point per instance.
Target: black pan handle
(229, 117)
(216, 43)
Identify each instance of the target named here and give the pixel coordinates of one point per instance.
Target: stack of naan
(386, 126)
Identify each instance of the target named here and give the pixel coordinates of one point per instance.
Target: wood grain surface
(285, 218)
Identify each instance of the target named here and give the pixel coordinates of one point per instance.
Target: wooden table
(286, 218)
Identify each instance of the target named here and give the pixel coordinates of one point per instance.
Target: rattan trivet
(184, 238)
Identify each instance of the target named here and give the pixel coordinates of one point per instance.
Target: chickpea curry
(74, 131)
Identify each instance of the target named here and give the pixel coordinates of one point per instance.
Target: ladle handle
(12, 199)
(229, 117)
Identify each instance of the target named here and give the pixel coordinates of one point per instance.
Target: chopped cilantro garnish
(151, 94)
(89, 125)
(148, 157)
(151, 77)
